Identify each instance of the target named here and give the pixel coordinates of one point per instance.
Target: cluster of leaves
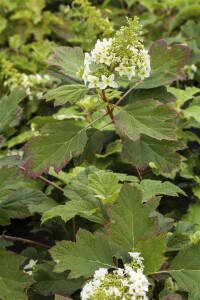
(107, 173)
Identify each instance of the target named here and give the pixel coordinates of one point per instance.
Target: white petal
(113, 85)
(102, 85)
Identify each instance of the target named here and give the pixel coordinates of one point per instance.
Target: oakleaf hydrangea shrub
(101, 150)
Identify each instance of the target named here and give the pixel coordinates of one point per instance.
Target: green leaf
(50, 283)
(159, 93)
(196, 191)
(3, 23)
(152, 250)
(149, 117)
(105, 185)
(61, 141)
(84, 257)
(78, 188)
(193, 214)
(185, 268)
(192, 111)
(166, 64)
(84, 202)
(11, 160)
(68, 60)
(90, 210)
(183, 95)
(20, 204)
(9, 109)
(145, 150)
(67, 93)
(151, 188)
(94, 145)
(13, 282)
(129, 218)
(8, 178)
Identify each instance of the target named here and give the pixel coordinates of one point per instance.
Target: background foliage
(157, 194)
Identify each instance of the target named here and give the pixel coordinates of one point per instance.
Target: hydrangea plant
(116, 123)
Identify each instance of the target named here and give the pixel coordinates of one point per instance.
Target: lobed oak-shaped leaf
(67, 93)
(146, 149)
(166, 64)
(61, 142)
(129, 218)
(13, 281)
(152, 250)
(151, 188)
(83, 258)
(68, 60)
(20, 204)
(149, 117)
(185, 268)
(87, 209)
(105, 185)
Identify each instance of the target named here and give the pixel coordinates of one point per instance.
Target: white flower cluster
(123, 284)
(28, 81)
(111, 59)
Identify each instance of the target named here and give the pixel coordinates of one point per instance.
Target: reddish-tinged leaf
(61, 141)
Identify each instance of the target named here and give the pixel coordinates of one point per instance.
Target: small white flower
(130, 72)
(86, 73)
(93, 81)
(120, 272)
(87, 60)
(87, 291)
(31, 264)
(136, 255)
(108, 60)
(144, 73)
(109, 291)
(29, 272)
(108, 81)
(121, 70)
(116, 292)
(124, 282)
(100, 274)
(134, 50)
(96, 283)
(128, 270)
